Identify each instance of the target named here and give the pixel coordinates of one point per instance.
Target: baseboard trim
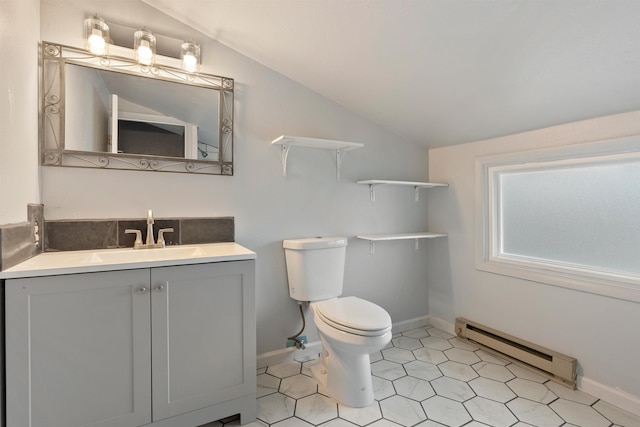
(311, 351)
(612, 395)
(407, 325)
(442, 324)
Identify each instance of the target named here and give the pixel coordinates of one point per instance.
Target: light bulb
(144, 44)
(96, 43)
(144, 53)
(190, 53)
(96, 35)
(190, 63)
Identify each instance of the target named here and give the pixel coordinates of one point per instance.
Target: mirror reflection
(113, 113)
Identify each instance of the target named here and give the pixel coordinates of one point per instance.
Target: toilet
(350, 328)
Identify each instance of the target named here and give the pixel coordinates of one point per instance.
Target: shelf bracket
(285, 155)
(338, 163)
(417, 244)
(372, 247)
(372, 193)
(416, 194)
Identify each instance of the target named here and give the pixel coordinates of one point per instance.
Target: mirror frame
(55, 56)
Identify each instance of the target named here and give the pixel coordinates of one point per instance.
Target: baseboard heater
(553, 365)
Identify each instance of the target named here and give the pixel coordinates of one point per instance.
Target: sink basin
(141, 255)
(50, 263)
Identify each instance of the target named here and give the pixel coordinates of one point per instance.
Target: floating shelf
(288, 141)
(372, 238)
(416, 186)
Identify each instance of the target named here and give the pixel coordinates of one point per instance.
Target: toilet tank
(315, 267)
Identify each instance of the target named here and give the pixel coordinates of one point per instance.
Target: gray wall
(267, 208)
(595, 329)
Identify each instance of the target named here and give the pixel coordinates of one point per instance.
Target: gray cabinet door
(78, 350)
(203, 335)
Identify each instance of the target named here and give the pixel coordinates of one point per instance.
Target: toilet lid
(354, 315)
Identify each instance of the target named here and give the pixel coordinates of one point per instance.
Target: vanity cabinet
(162, 346)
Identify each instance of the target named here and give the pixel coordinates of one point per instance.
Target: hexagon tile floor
(428, 378)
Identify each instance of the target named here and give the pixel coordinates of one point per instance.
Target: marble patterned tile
(275, 407)
(572, 395)
(283, 370)
(534, 413)
(453, 389)
(490, 412)
(407, 343)
(576, 413)
(399, 355)
(446, 411)
(403, 411)
(413, 388)
(416, 333)
(382, 388)
(388, 370)
(493, 371)
(422, 370)
(430, 355)
(361, 416)
(267, 384)
(460, 355)
(292, 422)
(617, 416)
(316, 409)
(526, 374)
(464, 345)
(457, 370)
(444, 382)
(532, 390)
(298, 386)
(491, 389)
(436, 343)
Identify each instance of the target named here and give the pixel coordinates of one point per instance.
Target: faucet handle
(138, 233)
(161, 235)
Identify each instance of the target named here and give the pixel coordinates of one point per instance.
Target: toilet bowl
(350, 329)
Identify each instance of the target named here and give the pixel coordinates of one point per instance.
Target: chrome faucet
(150, 242)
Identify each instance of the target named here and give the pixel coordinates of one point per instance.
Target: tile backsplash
(18, 241)
(69, 235)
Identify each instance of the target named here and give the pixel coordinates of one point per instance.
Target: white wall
(599, 331)
(19, 36)
(267, 208)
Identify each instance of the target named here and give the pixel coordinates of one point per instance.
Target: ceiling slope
(441, 72)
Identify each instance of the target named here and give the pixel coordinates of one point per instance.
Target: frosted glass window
(565, 216)
(584, 216)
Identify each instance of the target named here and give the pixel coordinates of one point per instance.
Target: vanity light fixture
(96, 35)
(190, 55)
(144, 45)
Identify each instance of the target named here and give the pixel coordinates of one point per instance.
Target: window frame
(489, 257)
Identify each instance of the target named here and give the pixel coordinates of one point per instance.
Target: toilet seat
(355, 316)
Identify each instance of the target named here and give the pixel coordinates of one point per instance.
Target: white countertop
(71, 262)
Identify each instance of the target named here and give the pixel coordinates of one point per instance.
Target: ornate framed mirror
(110, 112)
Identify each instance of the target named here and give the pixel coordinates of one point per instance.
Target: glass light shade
(190, 55)
(96, 35)
(144, 45)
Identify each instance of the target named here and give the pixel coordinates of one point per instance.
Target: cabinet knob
(159, 288)
(141, 290)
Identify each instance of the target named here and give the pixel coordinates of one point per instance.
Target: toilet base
(346, 378)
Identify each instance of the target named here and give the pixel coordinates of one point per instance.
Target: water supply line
(299, 344)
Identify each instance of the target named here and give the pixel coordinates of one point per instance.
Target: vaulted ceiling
(441, 72)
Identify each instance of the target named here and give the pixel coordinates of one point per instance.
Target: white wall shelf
(416, 186)
(288, 141)
(372, 238)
